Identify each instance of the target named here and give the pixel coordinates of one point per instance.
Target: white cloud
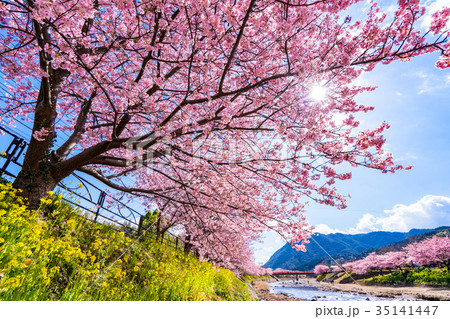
(262, 255)
(429, 82)
(429, 212)
(325, 229)
(407, 157)
(264, 249)
(412, 156)
(433, 83)
(365, 225)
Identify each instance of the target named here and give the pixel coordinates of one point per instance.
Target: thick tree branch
(235, 46)
(65, 149)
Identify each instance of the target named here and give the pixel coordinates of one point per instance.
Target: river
(311, 291)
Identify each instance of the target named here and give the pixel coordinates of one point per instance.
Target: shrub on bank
(422, 275)
(320, 277)
(438, 276)
(64, 256)
(251, 278)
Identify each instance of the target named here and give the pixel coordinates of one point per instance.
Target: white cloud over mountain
(430, 211)
(325, 229)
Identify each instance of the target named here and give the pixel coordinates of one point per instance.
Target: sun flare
(318, 93)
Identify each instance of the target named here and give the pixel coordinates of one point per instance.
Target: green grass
(324, 276)
(64, 256)
(252, 278)
(422, 275)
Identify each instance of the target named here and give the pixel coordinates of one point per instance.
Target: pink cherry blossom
(321, 269)
(204, 108)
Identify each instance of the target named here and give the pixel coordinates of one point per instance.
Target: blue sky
(414, 98)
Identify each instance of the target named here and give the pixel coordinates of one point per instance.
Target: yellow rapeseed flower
(54, 270)
(71, 223)
(86, 272)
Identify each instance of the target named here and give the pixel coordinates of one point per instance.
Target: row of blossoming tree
(205, 107)
(321, 269)
(433, 251)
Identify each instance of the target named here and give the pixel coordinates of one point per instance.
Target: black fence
(95, 202)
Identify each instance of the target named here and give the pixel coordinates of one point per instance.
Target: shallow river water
(304, 292)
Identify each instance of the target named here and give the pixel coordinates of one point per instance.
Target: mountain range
(343, 247)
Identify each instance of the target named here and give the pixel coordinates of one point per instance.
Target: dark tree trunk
(187, 244)
(34, 185)
(158, 226)
(39, 172)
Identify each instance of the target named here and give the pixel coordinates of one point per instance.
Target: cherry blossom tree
(435, 250)
(225, 109)
(365, 265)
(375, 262)
(321, 269)
(280, 271)
(431, 251)
(349, 266)
(393, 260)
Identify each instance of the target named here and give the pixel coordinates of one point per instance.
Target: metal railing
(121, 216)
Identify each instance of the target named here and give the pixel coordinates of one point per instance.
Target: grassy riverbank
(423, 276)
(66, 257)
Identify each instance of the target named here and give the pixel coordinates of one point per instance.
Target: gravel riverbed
(263, 291)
